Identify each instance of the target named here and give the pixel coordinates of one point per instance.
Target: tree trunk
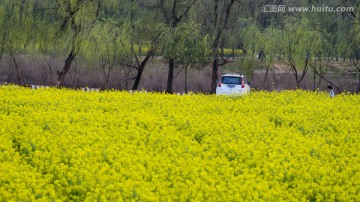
(138, 78)
(2, 51)
(266, 75)
(141, 70)
(358, 88)
(304, 72)
(50, 69)
(64, 71)
(17, 70)
(214, 75)
(3, 45)
(314, 67)
(107, 79)
(173, 20)
(186, 79)
(220, 26)
(314, 80)
(169, 88)
(295, 73)
(314, 77)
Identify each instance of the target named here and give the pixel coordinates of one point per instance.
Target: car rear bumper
(231, 93)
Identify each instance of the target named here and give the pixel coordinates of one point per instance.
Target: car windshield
(231, 80)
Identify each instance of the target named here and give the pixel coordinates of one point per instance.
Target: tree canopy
(128, 33)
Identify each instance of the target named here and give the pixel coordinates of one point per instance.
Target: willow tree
(145, 40)
(16, 30)
(353, 47)
(219, 26)
(302, 43)
(296, 44)
(77, 19)
(3, 16)
(254, 44)
(144, 34)
(107, 45)
(45, 42)
(191, 49)
(173, 13)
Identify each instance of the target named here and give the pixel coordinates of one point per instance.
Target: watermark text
(309, 9)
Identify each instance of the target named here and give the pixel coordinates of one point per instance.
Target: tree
(149, 45)
(62, 28)
(16, 33)
(144, 37)
(191, 47)
(108, 45)
(221, 16)
(174, 12)
(354, 45)
(296, 44)
(77, 18)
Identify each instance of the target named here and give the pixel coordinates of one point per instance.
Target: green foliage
(119, 42)
(185, 44)
(355, 35)
(301, 41)
(247, 66)
(292, 43)
(120, 31)
(252, 36)
(16, 23)
(106, 41)
(76, 19)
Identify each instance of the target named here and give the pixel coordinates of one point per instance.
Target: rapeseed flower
(66, 145)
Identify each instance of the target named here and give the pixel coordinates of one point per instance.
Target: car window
(231, 80)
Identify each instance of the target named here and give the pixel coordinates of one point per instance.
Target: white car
(232, 84)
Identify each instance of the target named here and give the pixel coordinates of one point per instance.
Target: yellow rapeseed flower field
(67, 145)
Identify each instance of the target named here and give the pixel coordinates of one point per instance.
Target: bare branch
(136, 56)
(185, 12)
(178, 73)
(224, 60)
(332, 83)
